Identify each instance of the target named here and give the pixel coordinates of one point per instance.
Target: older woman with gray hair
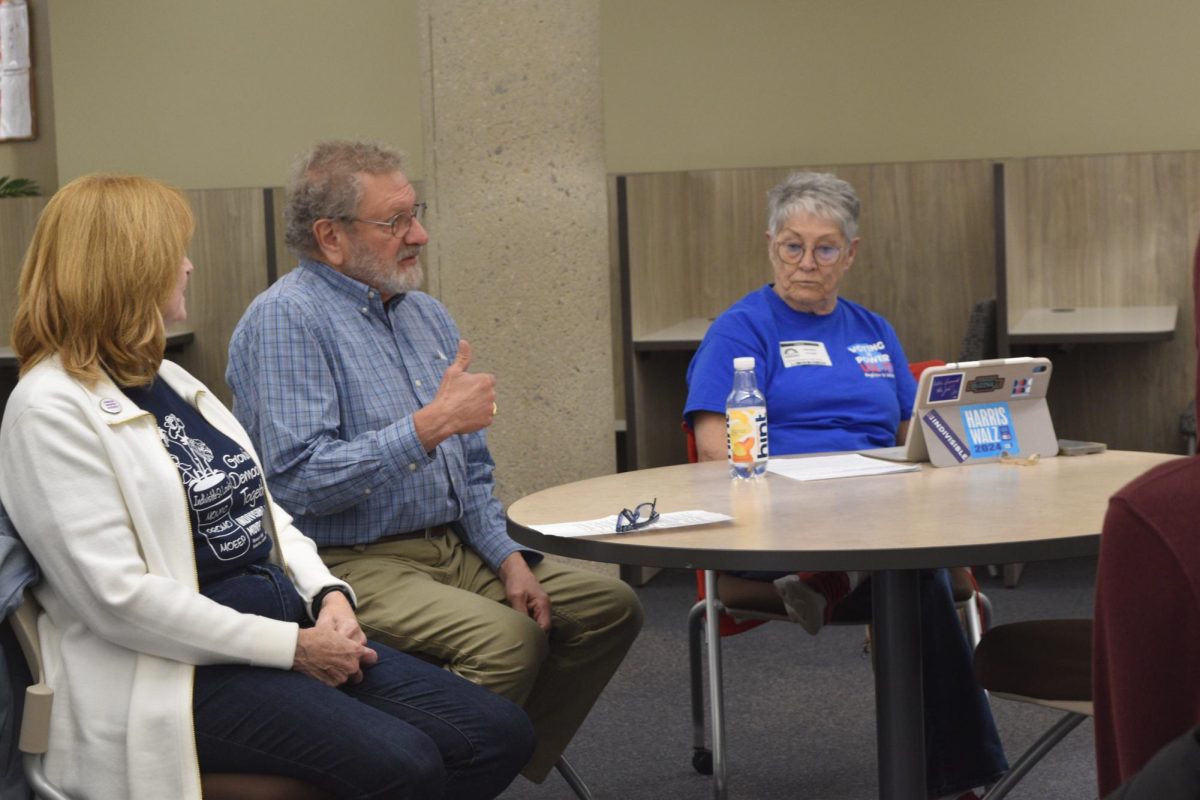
(835, 378)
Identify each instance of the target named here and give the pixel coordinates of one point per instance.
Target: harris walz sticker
(989, 430)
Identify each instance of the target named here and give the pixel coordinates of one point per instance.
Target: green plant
(17, 187)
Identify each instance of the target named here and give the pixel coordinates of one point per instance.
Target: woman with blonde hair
(188, 626)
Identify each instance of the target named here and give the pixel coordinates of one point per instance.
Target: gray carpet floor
(800, 709)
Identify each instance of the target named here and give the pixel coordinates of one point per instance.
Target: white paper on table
(849, 465)
(608, 525)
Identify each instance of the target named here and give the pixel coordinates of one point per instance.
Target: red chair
(972, 604)
(917, 367)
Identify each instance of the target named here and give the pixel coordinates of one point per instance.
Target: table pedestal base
(899, 700)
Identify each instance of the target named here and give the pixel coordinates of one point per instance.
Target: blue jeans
(962, 747)
(408, 730)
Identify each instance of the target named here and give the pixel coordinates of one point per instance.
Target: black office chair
(1187, 428)
(979, 341)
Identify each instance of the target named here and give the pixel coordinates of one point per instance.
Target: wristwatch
(320, 598)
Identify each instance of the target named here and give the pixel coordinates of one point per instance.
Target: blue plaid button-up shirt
(326, 378)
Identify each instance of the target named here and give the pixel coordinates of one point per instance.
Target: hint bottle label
(746, 434)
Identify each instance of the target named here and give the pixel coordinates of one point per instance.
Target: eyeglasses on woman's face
(793, 252)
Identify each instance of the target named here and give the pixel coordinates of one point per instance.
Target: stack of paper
(820, 468)
(608, 525)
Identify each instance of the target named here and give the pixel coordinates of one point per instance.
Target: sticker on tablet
(945, 434)
(945, 388)
(1022, 387)
(990, 430)
(985, 383)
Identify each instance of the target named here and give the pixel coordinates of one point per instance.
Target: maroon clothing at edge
(1146, 664)
(1146, 648)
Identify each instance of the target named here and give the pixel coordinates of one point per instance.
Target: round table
(892, 525)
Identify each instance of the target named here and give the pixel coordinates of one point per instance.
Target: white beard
(386, 276)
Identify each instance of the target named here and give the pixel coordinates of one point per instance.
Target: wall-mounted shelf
(685, 335)
(1107, 324)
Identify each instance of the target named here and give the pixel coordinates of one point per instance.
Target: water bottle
(746, 423)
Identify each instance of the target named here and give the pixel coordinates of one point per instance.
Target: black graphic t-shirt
(223, 484)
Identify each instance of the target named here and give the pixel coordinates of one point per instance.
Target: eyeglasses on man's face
(793, 253)
(399, 224)
(639, 517)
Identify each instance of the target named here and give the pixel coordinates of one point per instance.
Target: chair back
(917, 367)
(1196, 293)
(39, 697)
(979, 341)
(35, 731)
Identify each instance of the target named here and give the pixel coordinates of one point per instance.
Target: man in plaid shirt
(356, 390)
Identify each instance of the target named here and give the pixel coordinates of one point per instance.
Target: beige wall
(697, 84)
(223, 93)
(238, 87)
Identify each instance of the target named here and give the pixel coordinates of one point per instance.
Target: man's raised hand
(464, 402)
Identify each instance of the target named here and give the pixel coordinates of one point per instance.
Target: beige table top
(984, 513)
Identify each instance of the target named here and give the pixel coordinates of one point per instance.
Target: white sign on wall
(16, 107)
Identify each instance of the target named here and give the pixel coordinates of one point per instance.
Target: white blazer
(95, 496)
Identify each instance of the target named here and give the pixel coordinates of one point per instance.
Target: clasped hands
(334, 651)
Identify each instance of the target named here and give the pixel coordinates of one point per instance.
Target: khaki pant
(436, 598)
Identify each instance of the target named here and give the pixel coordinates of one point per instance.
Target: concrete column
(515, 177)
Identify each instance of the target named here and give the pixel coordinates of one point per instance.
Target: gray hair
(821, 194)
(324, 184)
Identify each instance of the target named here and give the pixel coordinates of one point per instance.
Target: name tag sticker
(990, 430)
(804, 354)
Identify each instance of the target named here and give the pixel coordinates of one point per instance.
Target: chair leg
(971, 621)
(716, 688)
(985, 611)
(572, 778)
(37, 779)
(1012, 574)
(1029, 759)
(701, 755)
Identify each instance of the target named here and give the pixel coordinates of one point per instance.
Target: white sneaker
(805, 605)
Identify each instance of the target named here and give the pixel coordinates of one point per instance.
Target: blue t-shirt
(223, 485)
(837, 381)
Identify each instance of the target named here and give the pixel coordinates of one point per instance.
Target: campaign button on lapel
(110, 406)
